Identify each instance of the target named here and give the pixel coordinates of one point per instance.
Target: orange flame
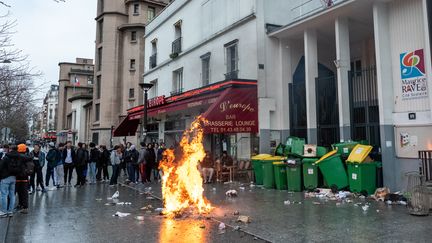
(182, 184)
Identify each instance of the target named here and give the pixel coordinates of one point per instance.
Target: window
(151, 12)
(154, 89)
(97, 112)
(136, 9)
(98, 87)
(90, 80)
(133, 36)
(232, 59)
(153, 57)
(356, 67)
(100, 31)
(205, 69)
(177, 81)
(132, 64)
(95, 138)
(99, 55)
(131, 93)
(50, 114)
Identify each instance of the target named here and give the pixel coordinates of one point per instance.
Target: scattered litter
(124, 203)
(244, 219)
(214, 189)
(255, 238)
(121, 215)
(357, 204)
(231, 193)
(147, 207)
(159, 210)
(377, 211)
(403, 203)
(241, 188)
(148, 212)
(110, 204)
(237, 228)
(388, 202)
(343, 194)
(150, 198)
(252, 185)
(365, 208)
(236, 213)
(139, 217)
(287, 202)
(338, 204)
(98, 199)
(227, 182)
(114, 196)
(362, 197)
(221, 228)
(381, 193)
(316, 203)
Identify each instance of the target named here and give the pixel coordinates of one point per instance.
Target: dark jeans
(68, 169)
(21, 189)
(148, 170)
(102, 169)
(37, 173)
(80, 174)
(132, 172)
(116, 172)
(49, 175)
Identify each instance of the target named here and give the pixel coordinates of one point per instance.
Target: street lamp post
(146, 87)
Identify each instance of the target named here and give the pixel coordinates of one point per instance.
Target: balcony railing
(176, 92)
(231, 75)
(153, 59)
(176, 46)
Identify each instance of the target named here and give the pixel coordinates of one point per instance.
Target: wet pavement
(81, 215)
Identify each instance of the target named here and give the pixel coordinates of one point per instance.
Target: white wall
(214, 16)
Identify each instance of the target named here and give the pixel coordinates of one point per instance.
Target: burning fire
(182, 184)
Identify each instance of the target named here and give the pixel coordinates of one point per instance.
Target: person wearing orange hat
(22, 179)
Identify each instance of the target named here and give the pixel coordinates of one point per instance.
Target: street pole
(145, 87)
(111, 137)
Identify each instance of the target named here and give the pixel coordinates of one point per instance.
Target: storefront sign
(234, 112)
(156, 101)
(413, 75)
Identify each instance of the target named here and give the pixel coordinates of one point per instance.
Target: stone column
(311, 71)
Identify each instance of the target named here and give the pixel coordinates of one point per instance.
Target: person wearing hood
(131, 160)
(39, 162)
(9, 168)
(150, 158)
(80, 164)
(22, 178)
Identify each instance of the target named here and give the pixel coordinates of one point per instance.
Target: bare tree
(17, 90)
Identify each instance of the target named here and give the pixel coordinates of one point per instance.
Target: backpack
(14, 166)
(29, 168)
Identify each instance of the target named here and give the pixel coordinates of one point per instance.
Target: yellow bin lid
(327, 155)
(278, 163)
(274, 158)
(359, 153)
(260, 156)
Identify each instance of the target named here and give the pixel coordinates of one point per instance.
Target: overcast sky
(50, 32)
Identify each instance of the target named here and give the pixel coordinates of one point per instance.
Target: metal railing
(425, 158)
(176, 92)
(176, 46)
(231, 75)
(153, 60)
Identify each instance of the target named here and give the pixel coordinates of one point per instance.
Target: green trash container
(333, 170)
(297, 147)
(257, 167)
(280, 175)
(344, 148)
(294, 177)
(268, 171)
(310, 173)
(362, 177)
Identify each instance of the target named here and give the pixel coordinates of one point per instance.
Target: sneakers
(24, 211)
(3, 215)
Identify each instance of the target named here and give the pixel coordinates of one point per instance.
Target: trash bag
(280, 150)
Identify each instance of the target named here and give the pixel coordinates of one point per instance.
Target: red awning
(127, 127)
(231, 107)
(235, 111)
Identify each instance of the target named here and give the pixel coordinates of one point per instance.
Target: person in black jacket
(131, 160)
(22, 179)
(150, 159)
(93, 161)
(81, 158)
(10, 167)
(102, 165)
(69, 162)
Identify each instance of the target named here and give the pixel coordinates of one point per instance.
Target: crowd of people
(21, 170)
